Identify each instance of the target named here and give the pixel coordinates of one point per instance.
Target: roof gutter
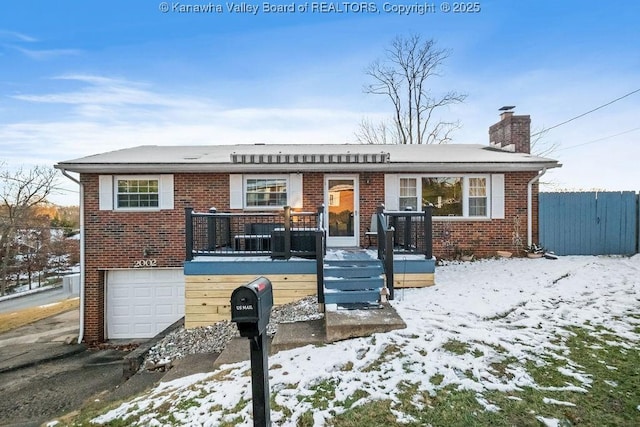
(82, 255)
(530, 205)
(404, 167)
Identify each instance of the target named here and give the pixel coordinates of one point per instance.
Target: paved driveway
(42, 377)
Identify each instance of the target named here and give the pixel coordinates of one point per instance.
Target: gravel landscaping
(214, 338)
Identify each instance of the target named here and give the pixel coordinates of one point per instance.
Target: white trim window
(265, 192)
(452, 196)
(135, 192)
(445, 193)
(408, 194)
(478, 200)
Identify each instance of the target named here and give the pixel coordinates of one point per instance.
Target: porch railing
(280, 234)
(402, 232)
(321, 250)
(385, 248)
(413, 231)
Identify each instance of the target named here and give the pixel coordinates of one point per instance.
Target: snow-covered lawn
(482, 328)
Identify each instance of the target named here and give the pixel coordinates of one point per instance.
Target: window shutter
(166, 191)
(236, 191)
(105, 192)
(295, 190)
(391, 192)
(497, 196)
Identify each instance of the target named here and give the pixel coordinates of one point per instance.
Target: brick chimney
(511, 133)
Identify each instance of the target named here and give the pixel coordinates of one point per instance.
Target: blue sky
(79, 78)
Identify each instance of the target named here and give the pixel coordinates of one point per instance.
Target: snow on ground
(513, 308)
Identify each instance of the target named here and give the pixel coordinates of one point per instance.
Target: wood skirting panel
(413, 280)
(207, 297)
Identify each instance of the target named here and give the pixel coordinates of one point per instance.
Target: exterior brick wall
(116, 239)
(514, 130)
(371, 196)
(485, 237)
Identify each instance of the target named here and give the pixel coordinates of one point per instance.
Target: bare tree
(540, 146)
(20, 192)
(404, 76)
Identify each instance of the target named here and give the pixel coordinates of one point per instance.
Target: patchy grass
(390, 351)
(323, 393)
(357, 395)
(15, 319)
(610, 373)
(456, 347)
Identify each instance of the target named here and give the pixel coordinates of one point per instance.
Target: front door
(341, 199)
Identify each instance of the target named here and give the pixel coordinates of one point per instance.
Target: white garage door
(142, 302)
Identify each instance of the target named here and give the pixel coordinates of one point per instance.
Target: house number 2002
(145, 263)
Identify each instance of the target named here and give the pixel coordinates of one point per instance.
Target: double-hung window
(136, 193)
(409, 194)
(265, 192)
(477, 196)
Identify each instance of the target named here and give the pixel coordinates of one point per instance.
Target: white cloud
(44, 54)
(107, 114)
(100, 113)
(14, 35)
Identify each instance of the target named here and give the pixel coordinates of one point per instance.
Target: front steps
(352, 281)
(337, 325)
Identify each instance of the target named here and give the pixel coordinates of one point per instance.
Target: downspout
(81, 329)
(530, 207)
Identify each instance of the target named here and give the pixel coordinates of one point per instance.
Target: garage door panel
(165, 310)
(164, 291)
(144, 329)
(121, 292)
(143, 310)
(121, 311)
(144, 291)
(143, 302)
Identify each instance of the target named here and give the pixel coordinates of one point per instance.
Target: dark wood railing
(280, 234)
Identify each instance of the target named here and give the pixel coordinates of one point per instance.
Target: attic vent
(309, 158)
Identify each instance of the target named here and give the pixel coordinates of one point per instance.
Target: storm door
(341, 200)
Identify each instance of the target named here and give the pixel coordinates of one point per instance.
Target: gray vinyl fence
(589, 223)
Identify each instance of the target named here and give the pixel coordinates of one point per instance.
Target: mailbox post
(250, 310)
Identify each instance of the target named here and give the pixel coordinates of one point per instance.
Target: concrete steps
(337, 325)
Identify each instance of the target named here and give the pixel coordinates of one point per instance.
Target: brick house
(133, 204)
